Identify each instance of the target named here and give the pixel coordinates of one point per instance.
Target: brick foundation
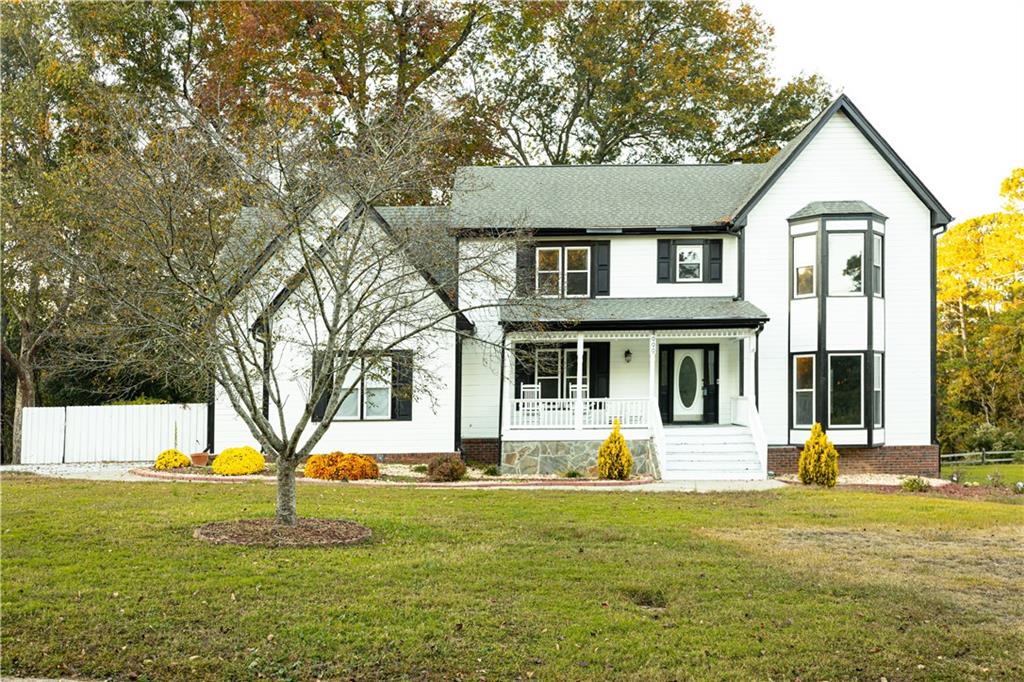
(482, 450)
(917, 460)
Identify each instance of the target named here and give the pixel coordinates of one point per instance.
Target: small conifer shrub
(614, 460)
(819, 460)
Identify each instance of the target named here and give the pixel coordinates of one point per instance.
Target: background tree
(202, 222)
(981, 328)
(601, 82)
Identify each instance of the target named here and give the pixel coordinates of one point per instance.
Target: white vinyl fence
(110, 433)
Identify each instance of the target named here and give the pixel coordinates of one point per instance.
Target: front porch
(562, 391)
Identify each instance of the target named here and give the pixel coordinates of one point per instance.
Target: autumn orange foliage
(339, 466)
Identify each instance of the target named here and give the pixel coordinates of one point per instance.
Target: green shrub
(446, 468)
(614, 460)
(572, 473)
(420, 468)
(819, 460)
(915, 484)
(492, 470)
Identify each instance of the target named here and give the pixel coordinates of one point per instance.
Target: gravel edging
(471, 484)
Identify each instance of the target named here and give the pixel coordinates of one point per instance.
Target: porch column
(508, 385)
(578, 407)
(652, 377)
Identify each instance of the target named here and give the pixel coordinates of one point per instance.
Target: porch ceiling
(709, 312)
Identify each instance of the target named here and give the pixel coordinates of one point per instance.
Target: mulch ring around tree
(269, 533)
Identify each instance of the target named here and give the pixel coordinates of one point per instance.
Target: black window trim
(705, 268)
(860, 355)
(397, 358)
(594, 286)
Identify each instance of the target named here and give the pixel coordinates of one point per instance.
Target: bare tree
(242, 255)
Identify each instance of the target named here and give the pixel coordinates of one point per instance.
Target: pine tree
(819, 460)
(613, 458)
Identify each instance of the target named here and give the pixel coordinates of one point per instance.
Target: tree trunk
(286, 512)
(25, 396)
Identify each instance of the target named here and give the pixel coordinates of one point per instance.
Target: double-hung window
(845, 264)
(577, 271)
(846, 389)
(876, 264)
(548, 372)
(689, 262)
(377, 390)
(563, 271)
(876, 390)
(349, 408)
(549, 271)
(803, 391)
(804, 258)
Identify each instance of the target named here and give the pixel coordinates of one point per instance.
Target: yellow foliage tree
(613, 458)
(819, 460)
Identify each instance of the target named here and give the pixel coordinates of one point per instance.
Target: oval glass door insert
(687, 381)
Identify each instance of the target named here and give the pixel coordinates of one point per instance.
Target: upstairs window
(549, 271)
(804, 259)
(845, 264)
(689, 263)
(563, 271)
(876, 264)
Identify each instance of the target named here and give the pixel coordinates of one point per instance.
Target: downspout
(211, 416)
(458, 394)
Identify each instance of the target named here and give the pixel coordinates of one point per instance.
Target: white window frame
(813, 265)
(878, 389)
(537, 271)
(356, 394)
(878, 241)
(537, 376)
(369, 383)
(812, 390)
(566, 271)
(860, 359)
(699, 248)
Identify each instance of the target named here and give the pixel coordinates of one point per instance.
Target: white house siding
(840, 164)
(481, 355)
(634, 269)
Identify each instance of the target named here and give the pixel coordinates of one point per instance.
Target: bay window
(845, 389)
(845, 264)
(804, 258)
(876, 264)
(876, 391)
(803, 391)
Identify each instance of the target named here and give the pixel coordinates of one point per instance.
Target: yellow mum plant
(613, 458)
(171, 459)
(339, 466)
(819, 460)
(239, 462)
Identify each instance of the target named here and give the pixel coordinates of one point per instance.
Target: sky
(942, 81)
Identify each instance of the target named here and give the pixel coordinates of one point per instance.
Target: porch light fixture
(628, 356)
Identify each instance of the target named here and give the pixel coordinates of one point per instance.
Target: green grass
(978, 473)
(104, 580)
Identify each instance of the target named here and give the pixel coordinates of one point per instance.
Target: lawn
(104, 580)
(979, 473)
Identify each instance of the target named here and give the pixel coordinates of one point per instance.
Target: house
(717, 311)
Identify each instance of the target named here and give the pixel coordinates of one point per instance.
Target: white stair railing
(744, 413)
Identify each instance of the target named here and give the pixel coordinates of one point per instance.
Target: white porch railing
(744, 413)
(560, 413)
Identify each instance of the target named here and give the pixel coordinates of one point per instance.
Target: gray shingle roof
(816, 208)
(614, 310)
(439, 254)
(596, 197)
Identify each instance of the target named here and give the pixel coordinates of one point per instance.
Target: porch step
(703, 453)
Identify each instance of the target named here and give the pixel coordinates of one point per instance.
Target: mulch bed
(268, 533)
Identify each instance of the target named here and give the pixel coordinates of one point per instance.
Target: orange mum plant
(339, 466)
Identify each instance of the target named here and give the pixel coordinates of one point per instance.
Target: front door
(688, 384)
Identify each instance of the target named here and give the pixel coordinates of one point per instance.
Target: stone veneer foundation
(533, 457)
(911, 460)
